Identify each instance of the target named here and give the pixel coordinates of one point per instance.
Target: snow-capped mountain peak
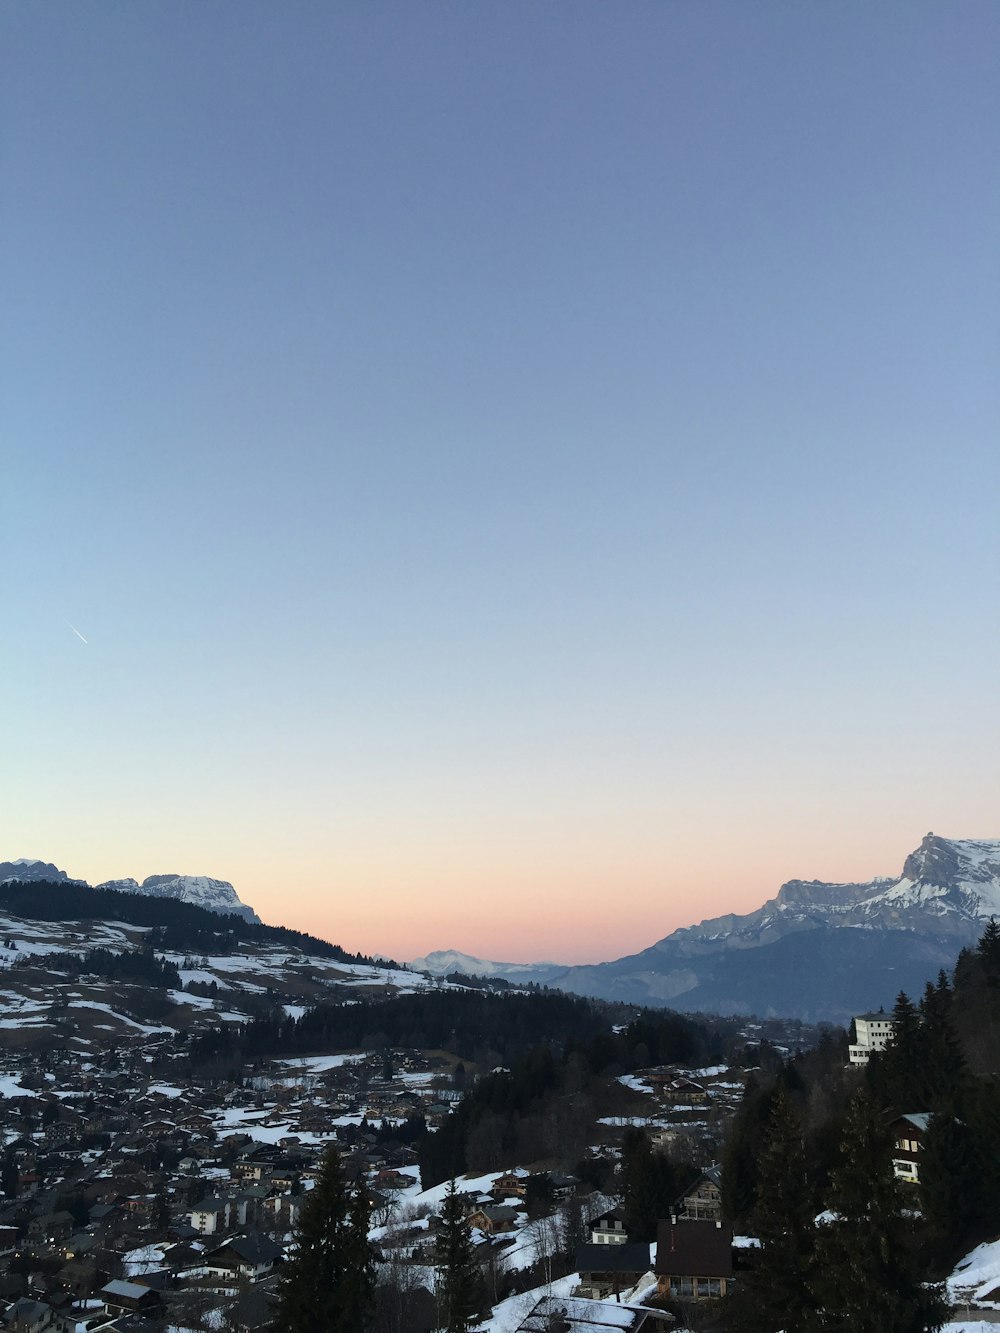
(443, 962)
(817, 950)
(215, 895)
(948, 875)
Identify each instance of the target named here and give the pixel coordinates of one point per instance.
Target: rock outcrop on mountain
(215, 895)
(31, 871)
(816, 951)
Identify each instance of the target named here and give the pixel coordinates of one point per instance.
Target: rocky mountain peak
(31, 871)
(215, 895)
(951, 863)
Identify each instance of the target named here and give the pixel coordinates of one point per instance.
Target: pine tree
(946, 1071)
(640, 1184)
(459, 1281)
(866, 1278)
(328, 1284)
(775, 1293)
(949, 1185)
(740, 1154)
(903, 1066)
(989, 951)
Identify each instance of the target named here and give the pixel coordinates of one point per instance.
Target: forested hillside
(173, 925)
(816, 1134)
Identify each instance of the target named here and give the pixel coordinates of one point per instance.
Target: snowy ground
(11, 1087)
(318, 1064)
(975, 1278)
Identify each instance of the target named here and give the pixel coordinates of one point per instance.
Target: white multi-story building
(874, 1032)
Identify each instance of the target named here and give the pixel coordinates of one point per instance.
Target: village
(137, 1197)
(134, 1199)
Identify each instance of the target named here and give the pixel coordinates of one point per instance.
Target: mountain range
(816, 951)
(215, 895)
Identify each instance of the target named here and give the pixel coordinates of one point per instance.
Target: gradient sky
(527, 474)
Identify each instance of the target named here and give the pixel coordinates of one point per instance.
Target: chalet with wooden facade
(694, 1260)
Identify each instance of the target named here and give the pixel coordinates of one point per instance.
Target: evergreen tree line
(820, 1135)
(541, 1106)
(475, 1025)
(140, 966)
(856, 1267)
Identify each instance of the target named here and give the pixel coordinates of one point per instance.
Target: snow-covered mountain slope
(232, 987)
(816, 950)
(948, 887)
(215, 895)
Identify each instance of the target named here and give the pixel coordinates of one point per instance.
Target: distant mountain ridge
(817, 951)
(215, 895)
(444, 962)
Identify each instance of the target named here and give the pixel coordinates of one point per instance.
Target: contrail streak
(76, 631)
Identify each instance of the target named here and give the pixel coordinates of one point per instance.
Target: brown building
(702, 1201)
(694, 1260)
(907, 1145)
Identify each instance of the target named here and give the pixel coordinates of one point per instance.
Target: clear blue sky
(526, 474)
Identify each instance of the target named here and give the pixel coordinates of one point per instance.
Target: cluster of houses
(132, 1195)
(127, 1198)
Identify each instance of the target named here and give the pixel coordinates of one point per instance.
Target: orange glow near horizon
(591, 904)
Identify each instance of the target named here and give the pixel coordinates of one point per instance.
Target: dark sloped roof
(632, 1257)
(253, 1248)
(694, 1249)
(254, 1309)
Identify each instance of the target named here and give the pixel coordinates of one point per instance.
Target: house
(607, 1270)
(694, 1260)
(564, 1183)
(702, 1201)
(28, 1316)
(873, 1032)
(388, 1178)
(250, 1257)
(685, 1091)
(513, 1182)
(908, 1136)
(609, 1228)
(121, 1297)
(493, 1220)
(53, 1227)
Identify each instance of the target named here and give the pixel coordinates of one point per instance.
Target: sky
(526, 475)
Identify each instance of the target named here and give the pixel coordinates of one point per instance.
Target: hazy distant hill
(815, 951)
